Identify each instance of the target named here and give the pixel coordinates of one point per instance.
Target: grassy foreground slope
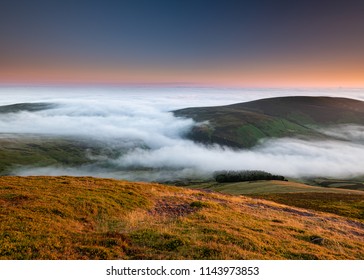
(88, 218)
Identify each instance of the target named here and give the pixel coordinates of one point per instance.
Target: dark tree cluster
(244, 175)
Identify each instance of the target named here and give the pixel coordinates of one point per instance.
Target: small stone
(317, 240)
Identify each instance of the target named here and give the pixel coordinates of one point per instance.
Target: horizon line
(171, 84)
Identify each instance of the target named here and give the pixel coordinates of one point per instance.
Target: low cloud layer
(289, 157)
(349, 132)
(140, 120)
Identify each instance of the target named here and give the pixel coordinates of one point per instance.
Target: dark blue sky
(179, 41)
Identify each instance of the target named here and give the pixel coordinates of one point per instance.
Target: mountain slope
(242, 125)
(21, 151)
(309, 110)
(88, 218)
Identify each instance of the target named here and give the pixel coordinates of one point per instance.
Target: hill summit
(244, 124)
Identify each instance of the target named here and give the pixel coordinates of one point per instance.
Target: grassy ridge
(88, 218)
(40, 151)
(23, 151)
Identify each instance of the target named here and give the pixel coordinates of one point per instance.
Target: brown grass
(88, 218)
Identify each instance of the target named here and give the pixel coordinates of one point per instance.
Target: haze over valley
(147, 134)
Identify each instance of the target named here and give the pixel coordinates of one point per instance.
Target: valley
(75, 191)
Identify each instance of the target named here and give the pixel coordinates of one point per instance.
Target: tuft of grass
(199, 204)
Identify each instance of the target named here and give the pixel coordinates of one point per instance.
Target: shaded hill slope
(21, 151)
(88, 218)
(242, 125)
(31, 150)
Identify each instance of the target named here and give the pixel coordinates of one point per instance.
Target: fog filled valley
(140, 134)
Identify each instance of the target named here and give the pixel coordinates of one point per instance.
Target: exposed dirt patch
(169, 208)
(14, 199)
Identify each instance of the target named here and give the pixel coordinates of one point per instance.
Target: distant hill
(243, 124)
(29, 107)
(27, 150)
(89, 218)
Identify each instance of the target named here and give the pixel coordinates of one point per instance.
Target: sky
(211, 43)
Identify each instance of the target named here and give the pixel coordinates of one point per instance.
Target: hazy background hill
(27, 107)
(244, 124)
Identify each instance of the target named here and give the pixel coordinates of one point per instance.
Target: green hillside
(25, 150)
(35, 151)
(242, 125)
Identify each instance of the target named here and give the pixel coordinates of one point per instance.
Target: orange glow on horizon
(235, 77)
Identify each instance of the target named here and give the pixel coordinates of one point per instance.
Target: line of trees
(225, 176)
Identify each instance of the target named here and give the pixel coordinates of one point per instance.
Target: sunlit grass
(88, 218)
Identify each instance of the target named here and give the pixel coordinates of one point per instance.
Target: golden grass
(88, 218)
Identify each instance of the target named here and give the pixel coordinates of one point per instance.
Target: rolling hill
(243, 125)
(21, 151)
(27, 107)
(89, 218)
(24, 150)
